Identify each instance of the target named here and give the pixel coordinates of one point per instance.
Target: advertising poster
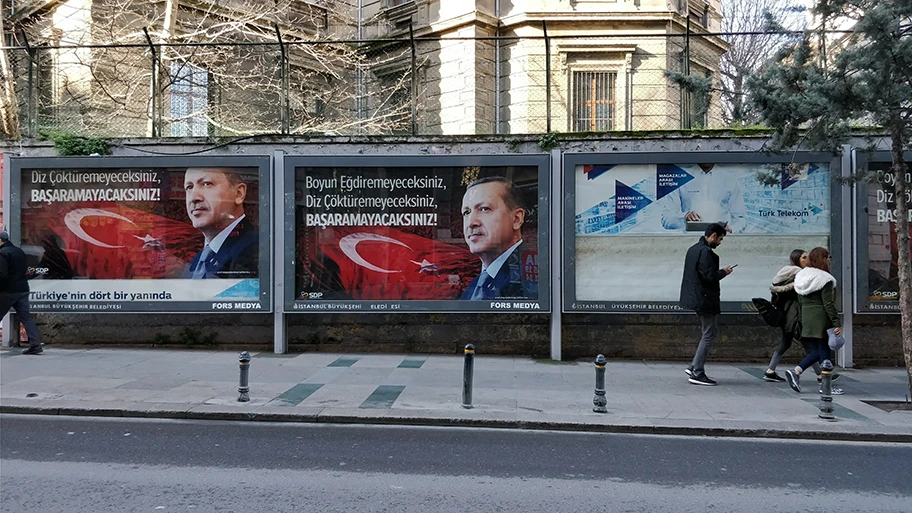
(145, 234)
(419, 233)
(633, 223)
(878, 252)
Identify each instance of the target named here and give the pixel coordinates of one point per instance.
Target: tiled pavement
(649, 397)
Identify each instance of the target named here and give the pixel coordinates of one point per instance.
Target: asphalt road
(73, 464)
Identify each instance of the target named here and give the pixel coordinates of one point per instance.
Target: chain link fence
(414, 86)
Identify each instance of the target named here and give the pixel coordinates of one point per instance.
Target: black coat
(785, 299)
(13, 270)
(700, 285)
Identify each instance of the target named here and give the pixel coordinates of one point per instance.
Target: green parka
(816, 294)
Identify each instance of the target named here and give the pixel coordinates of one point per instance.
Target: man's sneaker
(834, 391)
(689, 371)
(793, 380)
(33, 350)
(702, 379)
(833, 377)
(772, 376)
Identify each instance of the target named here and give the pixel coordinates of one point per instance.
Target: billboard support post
(845, 356)
(8, 340)
(280, 344)
(556, 253)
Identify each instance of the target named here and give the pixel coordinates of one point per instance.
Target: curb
(463, 423)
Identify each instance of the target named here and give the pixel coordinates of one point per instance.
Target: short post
(244, 361)
(599, 400)
(826, 395)
(467, 372)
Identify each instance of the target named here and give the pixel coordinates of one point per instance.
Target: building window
(593, 101)
(189, 100)
(395, 109)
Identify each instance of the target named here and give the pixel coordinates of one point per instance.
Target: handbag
(772, 315)
(835, 341)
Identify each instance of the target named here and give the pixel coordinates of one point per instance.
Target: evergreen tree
(817, 87)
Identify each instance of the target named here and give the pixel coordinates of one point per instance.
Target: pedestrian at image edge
(816, 289)
(14, 290)
(700, 292)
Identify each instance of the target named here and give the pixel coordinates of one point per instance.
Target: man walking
(700, 292)
(14, 290)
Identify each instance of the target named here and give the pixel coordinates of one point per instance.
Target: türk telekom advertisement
(634, 216)
(381, 234)
(877, 248)
(165, 234)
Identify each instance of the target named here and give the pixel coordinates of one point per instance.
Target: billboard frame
(862, 254)
(263, 163)
(541, 161)
(571, 160)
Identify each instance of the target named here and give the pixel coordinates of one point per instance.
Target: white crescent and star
(349, 246)
(73, 220)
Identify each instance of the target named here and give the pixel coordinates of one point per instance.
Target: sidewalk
(643, 397)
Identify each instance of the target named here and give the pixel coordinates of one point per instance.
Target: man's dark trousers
(19, 302)
(710, 324)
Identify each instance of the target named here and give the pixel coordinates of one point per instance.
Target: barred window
(189, 100)
(593, 101)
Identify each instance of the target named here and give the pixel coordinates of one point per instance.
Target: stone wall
(744, 338)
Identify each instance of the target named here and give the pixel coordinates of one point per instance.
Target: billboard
(423, 233)
(161, 234)
(877, 252)
(632, 217)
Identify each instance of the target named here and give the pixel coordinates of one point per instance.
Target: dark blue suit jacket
(508, 284)
(239, 256)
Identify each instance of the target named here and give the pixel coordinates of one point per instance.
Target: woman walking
(816, 289)
(785, 299)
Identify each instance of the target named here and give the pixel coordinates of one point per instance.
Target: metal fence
(419, 86)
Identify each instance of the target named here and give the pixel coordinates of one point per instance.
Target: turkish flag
(382, 264)
(103, 240)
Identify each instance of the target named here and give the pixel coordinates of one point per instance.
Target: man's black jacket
(700, 285)
(13, 268)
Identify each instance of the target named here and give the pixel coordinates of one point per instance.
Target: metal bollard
(826, 396)
(244, 361)
(467, 372)
(599, 400)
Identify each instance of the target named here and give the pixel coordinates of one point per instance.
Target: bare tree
(206, 67)
(9, 110)
(746, 23)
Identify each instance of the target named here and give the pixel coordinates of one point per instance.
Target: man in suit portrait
(493, 213)
(215, 204)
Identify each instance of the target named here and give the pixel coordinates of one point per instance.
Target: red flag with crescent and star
(104, 240)
(384, 264)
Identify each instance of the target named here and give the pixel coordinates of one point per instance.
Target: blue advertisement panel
(633, 222)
